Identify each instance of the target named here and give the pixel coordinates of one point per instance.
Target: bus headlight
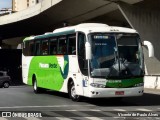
(97, 85)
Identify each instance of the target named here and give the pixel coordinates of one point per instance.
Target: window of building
(27, 3)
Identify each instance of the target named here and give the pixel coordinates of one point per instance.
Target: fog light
(92, 92)
(97, 93)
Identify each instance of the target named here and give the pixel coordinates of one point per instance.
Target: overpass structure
(50, 14)
(142, 15)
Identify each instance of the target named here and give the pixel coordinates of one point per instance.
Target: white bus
(91, 59)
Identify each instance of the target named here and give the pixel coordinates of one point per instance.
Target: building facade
(18, 5)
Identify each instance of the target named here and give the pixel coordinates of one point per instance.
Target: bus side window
(72, 44)
(53, 46)
(83, 64)
(62, 45)
(37, 48)
(44, 47)
(31, 48)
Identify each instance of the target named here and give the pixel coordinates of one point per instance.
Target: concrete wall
(18, 5)
(146, 20)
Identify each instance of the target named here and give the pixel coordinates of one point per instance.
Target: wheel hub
(73, 92)
(35, 85)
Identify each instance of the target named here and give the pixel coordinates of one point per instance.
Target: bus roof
(84, 27)
(28, 38)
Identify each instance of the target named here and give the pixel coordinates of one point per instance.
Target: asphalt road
(55, 105)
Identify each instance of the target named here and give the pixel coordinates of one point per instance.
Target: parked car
(5, 80)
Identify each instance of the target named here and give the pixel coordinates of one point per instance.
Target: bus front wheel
(72, 92)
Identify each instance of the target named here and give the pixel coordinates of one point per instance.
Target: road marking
(120, 110)
(30, 118)
(142, 109)
(119, 117)
(71, 110)
(2, 118)
(63, 118)
(44, 106)
(93, 118)
(81, 113)
(107, 113)
(94, 110)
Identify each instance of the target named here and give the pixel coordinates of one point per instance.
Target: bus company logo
(50, 65)
(114, 81)
(42, 65)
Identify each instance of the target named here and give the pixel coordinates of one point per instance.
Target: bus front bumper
(115, 92)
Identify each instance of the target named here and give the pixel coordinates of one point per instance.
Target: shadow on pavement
(145, 100)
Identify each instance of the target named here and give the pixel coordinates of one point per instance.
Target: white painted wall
(20, 5)
(152, 82)
(32, 2)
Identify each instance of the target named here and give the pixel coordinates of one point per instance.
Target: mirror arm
(150, 48)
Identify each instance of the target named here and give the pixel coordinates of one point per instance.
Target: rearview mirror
(150, 48)
(88, 51)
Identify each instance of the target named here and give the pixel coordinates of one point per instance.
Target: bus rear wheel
(72, 92)
(36, 89)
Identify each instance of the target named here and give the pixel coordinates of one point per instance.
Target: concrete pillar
(146, 21)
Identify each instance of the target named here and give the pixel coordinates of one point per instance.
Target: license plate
(119, 93)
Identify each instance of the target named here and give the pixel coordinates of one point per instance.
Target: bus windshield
(116, 55)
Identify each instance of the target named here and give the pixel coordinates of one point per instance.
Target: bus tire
(36, 89)
(72, 92)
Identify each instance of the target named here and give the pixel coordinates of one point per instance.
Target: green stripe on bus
(124, 83)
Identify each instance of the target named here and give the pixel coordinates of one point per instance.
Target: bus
(91, 59)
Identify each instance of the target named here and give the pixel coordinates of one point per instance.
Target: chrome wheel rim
(73, 91)
(35, 85)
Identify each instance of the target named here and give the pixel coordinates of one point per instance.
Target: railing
(5, 11)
